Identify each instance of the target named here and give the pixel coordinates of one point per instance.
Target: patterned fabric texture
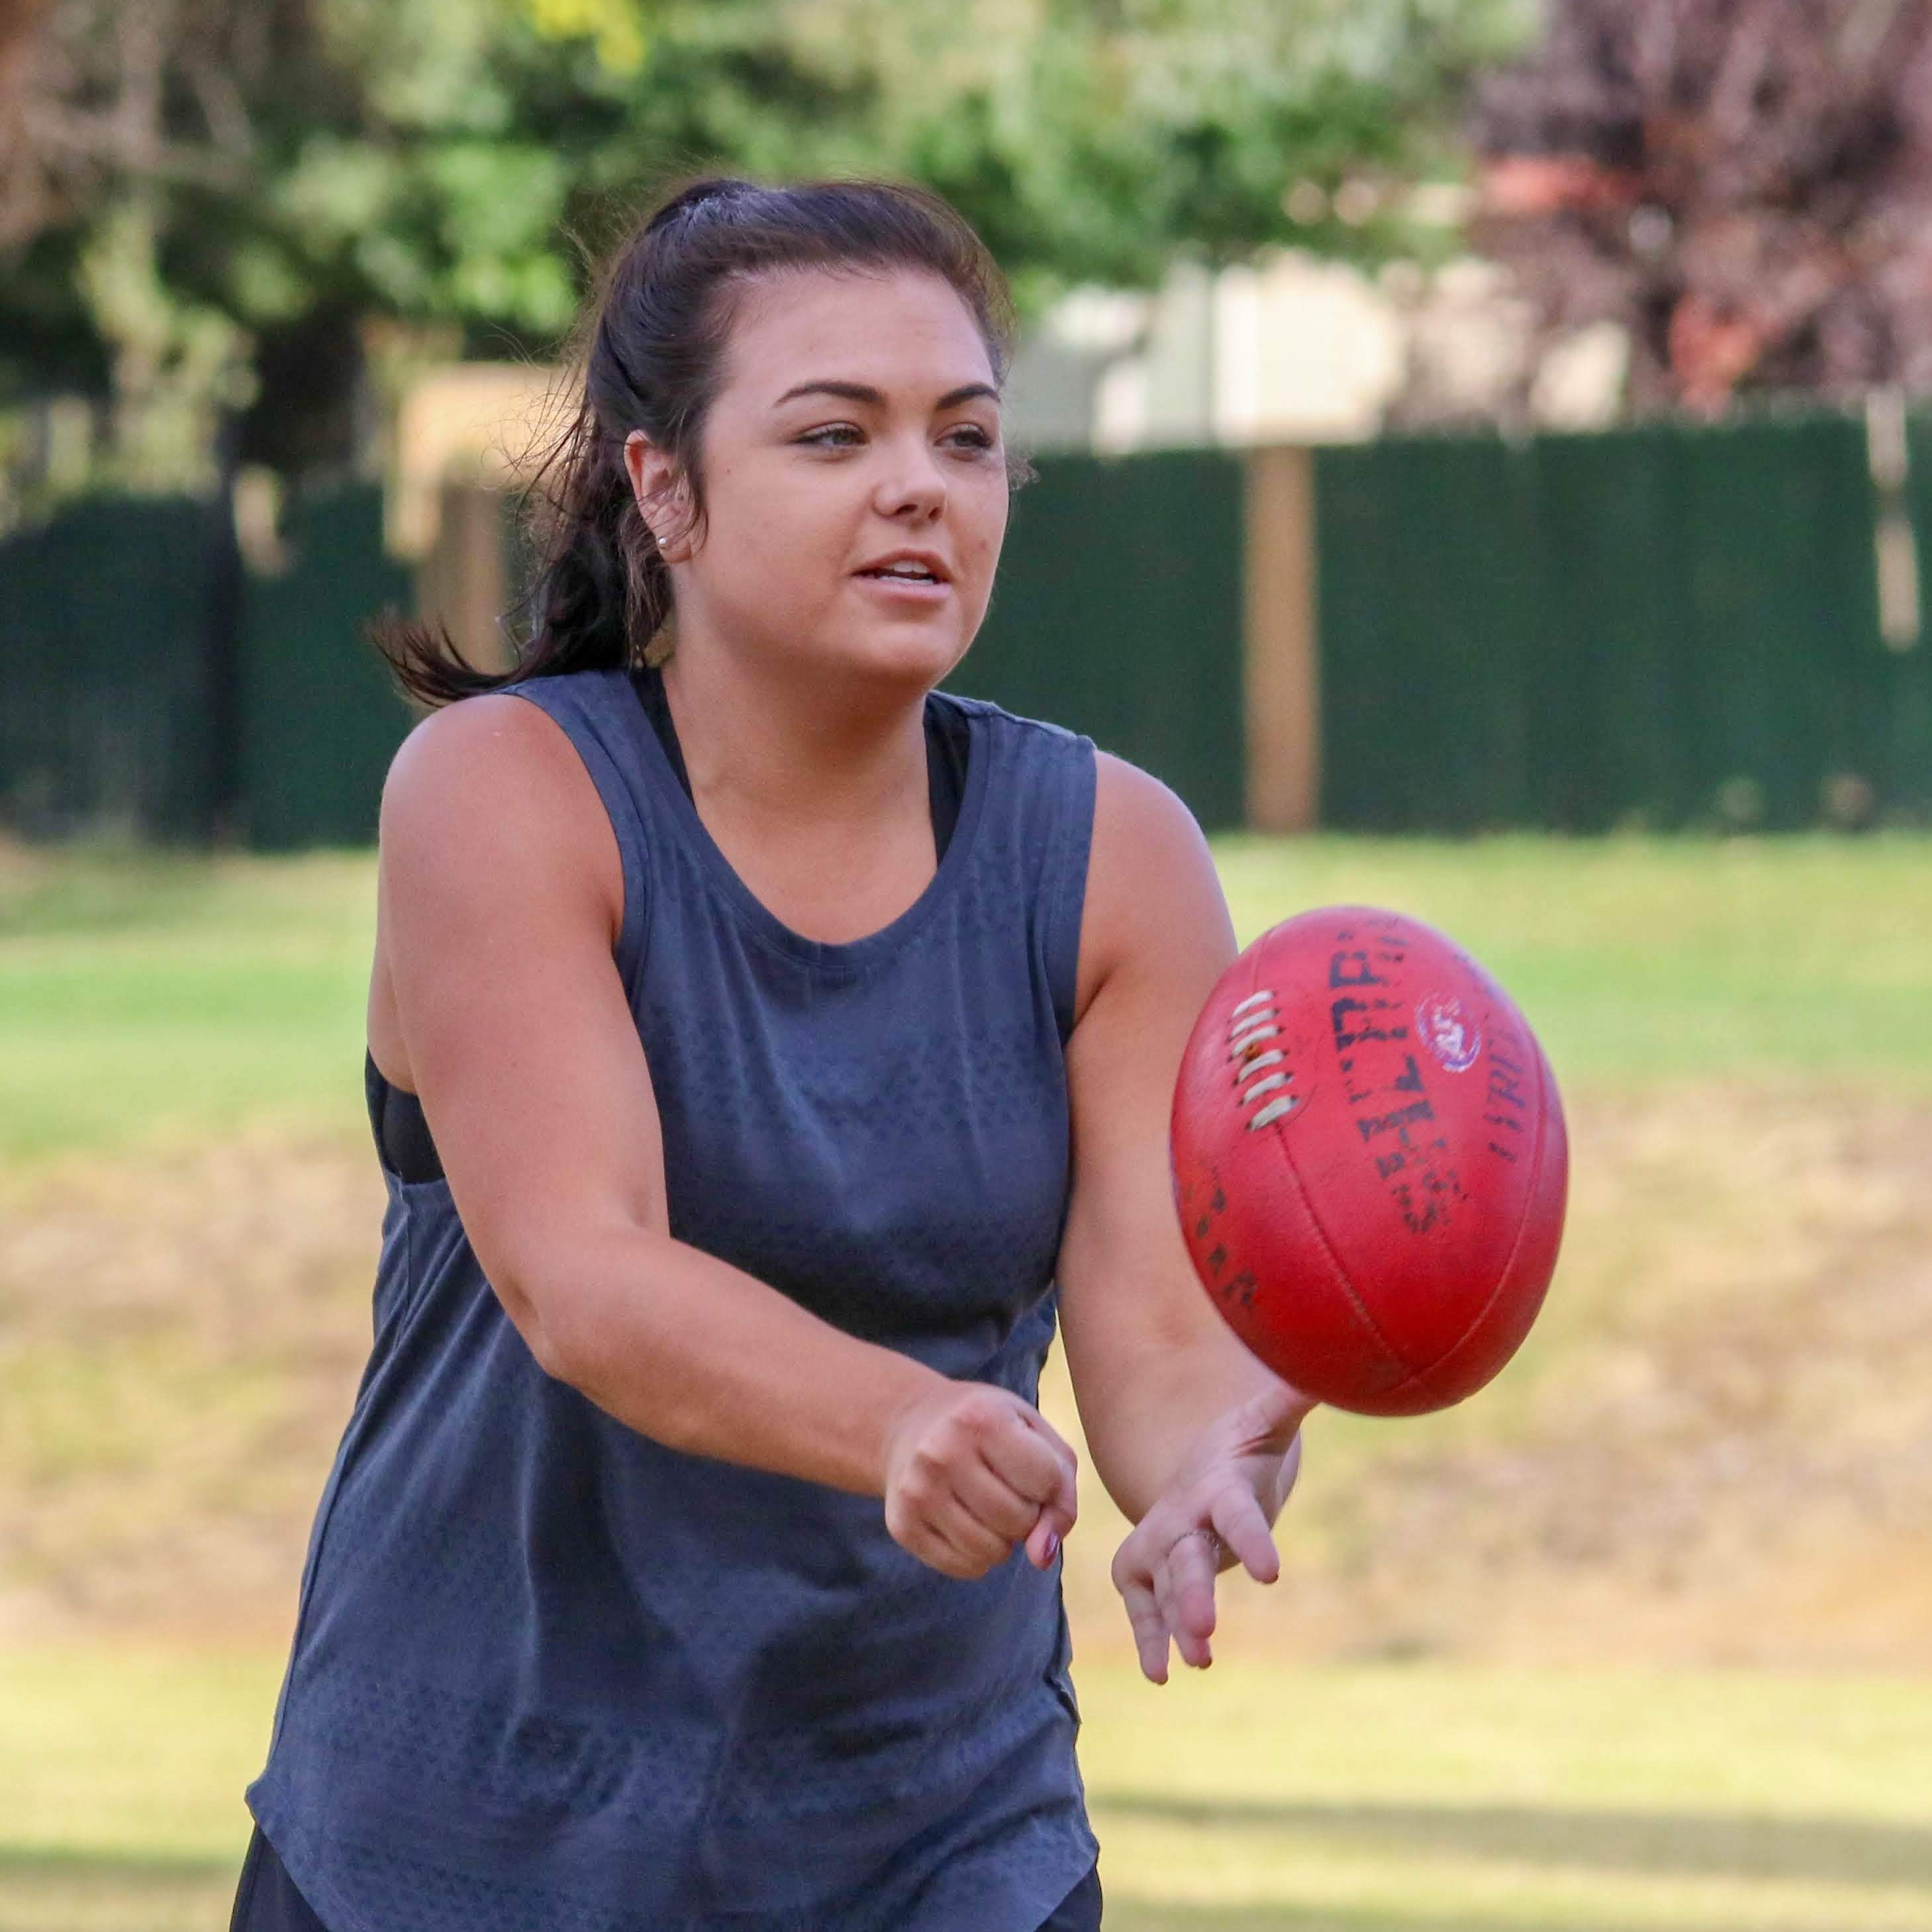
(551, 1676)
(266, 1900)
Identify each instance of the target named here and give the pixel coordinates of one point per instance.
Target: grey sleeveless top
(549, 1675)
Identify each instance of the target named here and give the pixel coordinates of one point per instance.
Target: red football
(1370, 1161)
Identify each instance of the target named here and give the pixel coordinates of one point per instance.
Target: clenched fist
(971, 1472)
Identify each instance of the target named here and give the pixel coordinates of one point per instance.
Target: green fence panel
(1118, 612)
(1907, 755)
(1666, 625)
(105, 722)
(1781, 629)
(1857, 672)
(1610, 750)
(321, 720)
(1430, 603)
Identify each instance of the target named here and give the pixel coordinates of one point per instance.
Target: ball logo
(1448, 1032)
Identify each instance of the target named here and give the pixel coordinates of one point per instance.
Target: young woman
(762, 1044)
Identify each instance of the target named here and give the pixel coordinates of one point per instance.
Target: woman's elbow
(546, 1330)
(529, 1274)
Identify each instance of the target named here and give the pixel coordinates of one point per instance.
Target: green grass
(121, 1767)
(148, 999)
(1393, 1799)
(1644, 960)
(1370, 1799)
(163, 997)
(153, 996)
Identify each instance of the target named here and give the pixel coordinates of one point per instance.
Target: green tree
(201, 200)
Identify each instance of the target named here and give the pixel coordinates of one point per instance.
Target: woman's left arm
(1196, 1441)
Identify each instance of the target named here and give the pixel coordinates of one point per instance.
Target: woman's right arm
(500, 896)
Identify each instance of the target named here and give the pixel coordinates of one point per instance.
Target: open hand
(1218, 1510)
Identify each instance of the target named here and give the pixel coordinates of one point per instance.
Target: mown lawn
(1645, 961)
(147, 995)
(155, 997)
(153, 1008)
(1392, 1799)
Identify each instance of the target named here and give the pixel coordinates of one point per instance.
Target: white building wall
(1296, 349)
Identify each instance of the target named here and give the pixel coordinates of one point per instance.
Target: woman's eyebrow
(863, 392)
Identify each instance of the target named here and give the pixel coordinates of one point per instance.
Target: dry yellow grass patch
(1716, 1448)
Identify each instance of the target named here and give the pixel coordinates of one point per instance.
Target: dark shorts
(266, 1900)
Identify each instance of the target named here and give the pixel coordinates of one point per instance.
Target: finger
(1190, 1592)
(1149, 1625)
(1162, 1582)
(1040, 1466)
(1038, 1425)
(1059, 1515)
(937, 1552)
(977, 1548)
(1061, 1510)
(1178, 1591)
(1240, 1523)
(987, 1489)
(1290, 1469)
(1033, 1460)
(1043, 1544)
(991, 1500)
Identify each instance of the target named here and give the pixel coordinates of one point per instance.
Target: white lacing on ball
(1251, 1024)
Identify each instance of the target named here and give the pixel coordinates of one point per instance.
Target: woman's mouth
(921, 586)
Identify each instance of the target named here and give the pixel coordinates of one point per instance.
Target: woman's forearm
(1141, 1428)
(700, 1356)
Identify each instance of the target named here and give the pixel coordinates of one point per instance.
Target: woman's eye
(845, 435)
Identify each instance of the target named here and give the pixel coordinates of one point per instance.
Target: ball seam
(1341, 1273)
(1543, 1084)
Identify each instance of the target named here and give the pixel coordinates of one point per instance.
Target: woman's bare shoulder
(1152, 890)
(487, 758)
(479, 741)
(491, 793)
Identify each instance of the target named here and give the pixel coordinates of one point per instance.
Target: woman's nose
(914, 483)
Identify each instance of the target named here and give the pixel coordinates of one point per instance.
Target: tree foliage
(1746, 185)
(204, 196)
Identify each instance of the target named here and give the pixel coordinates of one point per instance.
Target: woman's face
(857, 421)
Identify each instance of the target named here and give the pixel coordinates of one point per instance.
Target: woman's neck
(786, 751)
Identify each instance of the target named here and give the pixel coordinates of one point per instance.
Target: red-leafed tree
(1746, 185)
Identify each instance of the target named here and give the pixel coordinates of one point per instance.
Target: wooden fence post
(462, 580)
(1281, 646)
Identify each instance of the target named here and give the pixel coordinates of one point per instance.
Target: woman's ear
(658, 485)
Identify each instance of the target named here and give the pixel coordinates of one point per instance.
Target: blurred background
(1485, 456)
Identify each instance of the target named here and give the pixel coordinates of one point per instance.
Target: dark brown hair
(649, 350)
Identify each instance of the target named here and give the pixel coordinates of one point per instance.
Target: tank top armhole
(580, 726)
(1066, 896)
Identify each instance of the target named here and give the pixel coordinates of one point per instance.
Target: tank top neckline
(844, 956)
